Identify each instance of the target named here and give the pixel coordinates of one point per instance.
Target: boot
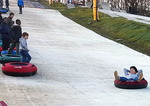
(140, 77)
(116, 75)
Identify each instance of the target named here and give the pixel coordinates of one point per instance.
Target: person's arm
(126, 71)
(139, 72)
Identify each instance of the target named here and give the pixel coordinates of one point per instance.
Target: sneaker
(116, 75)
(140, 77)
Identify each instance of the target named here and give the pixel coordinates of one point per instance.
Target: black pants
(5, 43)
(7, 6)
(13, 45)
(20, 9)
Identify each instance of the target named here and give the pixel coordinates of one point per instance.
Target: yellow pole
(50, 1)
(95, 12)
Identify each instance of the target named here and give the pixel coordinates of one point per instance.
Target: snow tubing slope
(131, 84)
(19, 69)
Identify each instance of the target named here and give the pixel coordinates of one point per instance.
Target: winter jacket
(131, 76)
(20, 3)
(23, 44)
(5, 30)
(10, 22)
(16, 33)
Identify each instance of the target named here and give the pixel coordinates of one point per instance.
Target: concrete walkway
(75, 65)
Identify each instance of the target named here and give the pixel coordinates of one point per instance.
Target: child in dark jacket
(16, 33)
(24, 48)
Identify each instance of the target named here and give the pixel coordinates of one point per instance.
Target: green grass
(132, 34)
(55, 6)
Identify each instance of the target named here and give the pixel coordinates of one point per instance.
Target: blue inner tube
(131, 84)
(4, 10)
(6, 51)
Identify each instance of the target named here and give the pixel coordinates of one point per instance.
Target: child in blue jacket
(21, 5)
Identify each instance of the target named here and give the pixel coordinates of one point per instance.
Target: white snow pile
(138, 18)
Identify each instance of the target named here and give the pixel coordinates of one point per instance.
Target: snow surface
(133, 17)
(75, 65)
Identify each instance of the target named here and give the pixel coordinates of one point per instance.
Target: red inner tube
(131, 84)
(18, 67)
(1, 49)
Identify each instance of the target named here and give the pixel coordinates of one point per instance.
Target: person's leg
(17, 48)
(0, 36)
(28, 57)
(23, 56)
(11, 48)
(7, 6)
(5, 44)
(119, 78)
(116, 75)
(20, 9)
(140, 77)
(1, 5)
(123, 79)
(8, 43)
(26, 54)
(135, 79)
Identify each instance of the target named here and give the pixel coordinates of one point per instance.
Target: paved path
(75, 66)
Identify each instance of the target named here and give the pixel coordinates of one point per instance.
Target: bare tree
(141, 7)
